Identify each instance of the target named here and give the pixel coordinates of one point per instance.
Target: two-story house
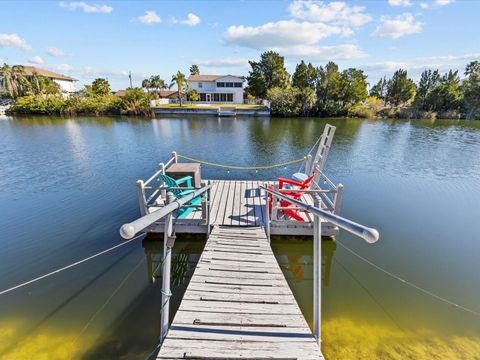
(218, 88)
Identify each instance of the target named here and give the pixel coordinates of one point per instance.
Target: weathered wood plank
(238, 304)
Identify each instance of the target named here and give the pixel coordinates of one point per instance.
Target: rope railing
(76, 263)
(238, 167)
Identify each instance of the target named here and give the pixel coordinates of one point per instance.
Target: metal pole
(167, 260)
(267, 216)
(142, 201)
(317, 274)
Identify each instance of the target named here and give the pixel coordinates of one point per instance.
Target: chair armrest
(282, 181)
(187, 179)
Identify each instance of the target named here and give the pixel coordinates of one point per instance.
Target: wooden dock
(242, 203)
(238, 304)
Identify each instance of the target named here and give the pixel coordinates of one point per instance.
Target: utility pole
(130, 77)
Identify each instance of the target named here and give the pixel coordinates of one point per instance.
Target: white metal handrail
(127, 231)
(370, 235)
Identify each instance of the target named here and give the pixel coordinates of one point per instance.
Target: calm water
(66, 186)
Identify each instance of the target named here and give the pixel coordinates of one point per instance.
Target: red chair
(291, 190)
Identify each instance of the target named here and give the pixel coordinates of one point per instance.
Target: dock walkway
(238, 305)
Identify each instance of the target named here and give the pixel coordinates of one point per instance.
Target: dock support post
(317, 273)
(308, 165)
(167, 262)
(142, 201)
(267, 217)
(337, 202)
(174, 156)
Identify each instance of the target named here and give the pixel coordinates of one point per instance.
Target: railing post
(317, 273)
(175, 156)
(167, 262)
(142, 201)
(308, 165)
(163, 192)
(337, 202)
(267, 216)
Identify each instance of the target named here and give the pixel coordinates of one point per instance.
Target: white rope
(406, 282)
(117, 289)
(68, 266)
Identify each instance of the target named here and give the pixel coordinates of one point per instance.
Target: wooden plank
(223, 205)
(238, 304)
(216, 211)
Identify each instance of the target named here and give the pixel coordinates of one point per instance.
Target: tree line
(327, 91)
(36, 94)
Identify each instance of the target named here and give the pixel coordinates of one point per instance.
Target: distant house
(66, 83)
(218, 88)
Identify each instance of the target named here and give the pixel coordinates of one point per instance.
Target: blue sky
(110, 38)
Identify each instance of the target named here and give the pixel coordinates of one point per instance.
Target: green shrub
(136, 102)
(39, 104)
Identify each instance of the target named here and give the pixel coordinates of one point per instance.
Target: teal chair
(172, 185)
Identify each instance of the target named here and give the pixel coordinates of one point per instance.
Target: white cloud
(225, 62)
(404, 24)
(149, 18)
(191, 20)
(281, 34)
(56, 52)
(322, 53)
(13, 41)
(444, 2)
(424, 5)
(37, 60)
(336, 12)
(400, 3)
(87, 8)
(62, 67)
(470, 56)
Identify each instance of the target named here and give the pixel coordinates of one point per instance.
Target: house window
(238, 84)
(229, 97)
(220, 84)
(203, 97)
(229, 84)
(215, 97)
(200, 85)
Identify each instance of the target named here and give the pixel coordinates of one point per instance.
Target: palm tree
(13, 79)
(181, 82)
(158, 83)
(147, 84)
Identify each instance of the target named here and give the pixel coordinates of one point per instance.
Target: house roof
(209, 77)
(30, 70)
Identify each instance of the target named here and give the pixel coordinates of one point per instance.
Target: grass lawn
(211, 106)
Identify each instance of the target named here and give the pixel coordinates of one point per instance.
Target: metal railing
(370, 235)
(128, 231)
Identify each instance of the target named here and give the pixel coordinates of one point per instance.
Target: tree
(147, 84)
(283, 101)
(400, 88)
(471, 90)
(329, 90)
(304, 76)
(193, 95)
(353, 86)
(266, 74)
(429, 80)
(306, 98)
(14, 80)
(379, 90)
(194, 70)
(180, 80)
(447, 95)
(136, 102)
(157, 83)
(100, 87)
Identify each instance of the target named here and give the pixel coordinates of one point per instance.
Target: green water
(66, 186)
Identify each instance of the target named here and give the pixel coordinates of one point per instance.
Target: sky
(109, 39)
